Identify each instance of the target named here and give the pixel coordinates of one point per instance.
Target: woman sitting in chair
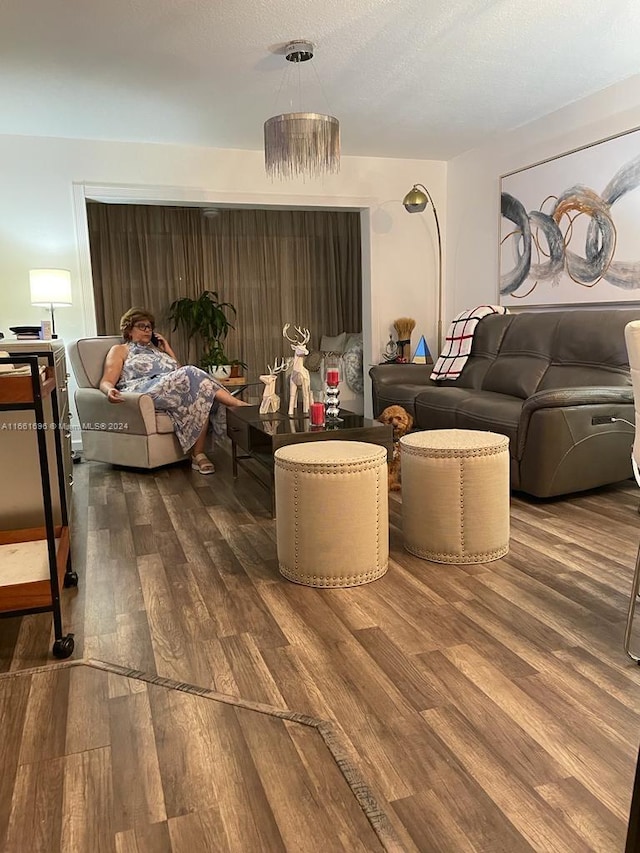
(146, 364)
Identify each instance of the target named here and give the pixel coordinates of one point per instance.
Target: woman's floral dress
(186, 394)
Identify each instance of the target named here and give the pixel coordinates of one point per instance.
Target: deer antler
(277, 368)
(304, 335)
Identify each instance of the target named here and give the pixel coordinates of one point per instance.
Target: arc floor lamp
(416, 201)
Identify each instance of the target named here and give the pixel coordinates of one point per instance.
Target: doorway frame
(191, 196)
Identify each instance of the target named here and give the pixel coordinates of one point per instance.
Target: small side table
(234, 384)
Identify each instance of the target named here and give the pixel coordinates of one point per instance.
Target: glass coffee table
(255, 437)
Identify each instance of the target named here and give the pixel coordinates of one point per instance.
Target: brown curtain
(274, 266)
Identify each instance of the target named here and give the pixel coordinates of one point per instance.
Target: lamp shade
(50, 287)
(415, 200)
(301, 144)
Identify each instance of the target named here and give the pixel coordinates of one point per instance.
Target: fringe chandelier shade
(301, 144)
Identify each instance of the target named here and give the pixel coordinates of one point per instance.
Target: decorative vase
(332, 377)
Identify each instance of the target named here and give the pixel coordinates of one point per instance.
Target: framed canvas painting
(570, 227)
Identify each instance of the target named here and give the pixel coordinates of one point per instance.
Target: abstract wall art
(570, 227)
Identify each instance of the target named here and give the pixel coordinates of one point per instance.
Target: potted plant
(207, 318)
(215, 361)
(237, 367)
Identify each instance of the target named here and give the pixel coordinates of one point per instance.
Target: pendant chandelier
(301, 144)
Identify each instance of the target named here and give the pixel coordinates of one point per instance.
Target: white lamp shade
(50, 287)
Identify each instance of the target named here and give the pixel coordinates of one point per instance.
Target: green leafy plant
(205, 317)
(214, 356)
(235, 362)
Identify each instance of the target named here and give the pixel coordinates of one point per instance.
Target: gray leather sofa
(550, 381)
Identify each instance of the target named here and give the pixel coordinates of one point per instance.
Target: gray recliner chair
(132, 433)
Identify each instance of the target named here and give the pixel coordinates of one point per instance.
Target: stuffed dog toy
(401, 421)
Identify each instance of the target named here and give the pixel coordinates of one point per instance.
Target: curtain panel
(274, 266)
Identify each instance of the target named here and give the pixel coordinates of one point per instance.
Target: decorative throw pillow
(353, 340)
(333, 344)
(353, 371)
(313, 361)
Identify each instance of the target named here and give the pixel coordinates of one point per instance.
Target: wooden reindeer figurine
(270, 400)
(299, 374)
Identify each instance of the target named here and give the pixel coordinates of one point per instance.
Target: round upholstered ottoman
(455, 495)
(332, 521)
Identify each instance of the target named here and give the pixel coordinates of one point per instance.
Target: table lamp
(50, 289)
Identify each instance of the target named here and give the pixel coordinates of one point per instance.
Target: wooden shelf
(24, 554)
(232, 380)
(35, 554)
(18, 389)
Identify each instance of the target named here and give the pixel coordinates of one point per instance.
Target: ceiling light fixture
(415, 201)
(301, 144)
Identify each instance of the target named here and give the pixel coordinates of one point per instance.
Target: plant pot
(222, 371)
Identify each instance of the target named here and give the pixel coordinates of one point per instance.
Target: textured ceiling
(406, 78)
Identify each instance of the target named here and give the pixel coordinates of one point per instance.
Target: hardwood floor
(489, 707)
(128, 763)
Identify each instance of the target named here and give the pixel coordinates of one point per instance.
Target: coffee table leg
(234, 459)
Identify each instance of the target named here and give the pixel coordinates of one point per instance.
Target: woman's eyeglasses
(143, 327)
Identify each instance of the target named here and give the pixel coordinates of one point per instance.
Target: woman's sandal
(202, 464)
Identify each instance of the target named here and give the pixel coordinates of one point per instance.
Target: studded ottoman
(332, 521)
(455, 495)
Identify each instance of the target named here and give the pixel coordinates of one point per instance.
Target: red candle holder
(316, 414)
(332, 376)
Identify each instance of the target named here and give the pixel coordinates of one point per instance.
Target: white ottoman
(455, 495)
(332, 519)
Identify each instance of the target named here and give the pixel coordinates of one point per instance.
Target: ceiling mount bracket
(299, 51)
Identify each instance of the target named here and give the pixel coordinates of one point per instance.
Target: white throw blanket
(457, 345)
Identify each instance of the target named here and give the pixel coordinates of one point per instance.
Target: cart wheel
(64, 647)
(70, 579)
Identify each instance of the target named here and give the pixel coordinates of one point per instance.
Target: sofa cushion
(524, 355)
(354, 339)
(465, 408)
(437, 406)
(581, 357)
(404, 395)
(517, 374)
(495, 412)
(333, 343)
(581, 376)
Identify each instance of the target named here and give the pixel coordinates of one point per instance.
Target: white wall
(473, 188)
(39, 226)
